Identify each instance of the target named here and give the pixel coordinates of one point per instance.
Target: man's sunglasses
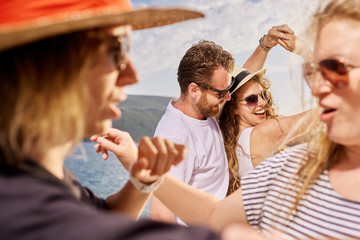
(253, 99)
(335, 71)
(221, 93)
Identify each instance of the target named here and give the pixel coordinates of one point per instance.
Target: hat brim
(244, 80)
(238, 71)
(13, 35)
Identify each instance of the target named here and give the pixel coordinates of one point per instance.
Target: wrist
(144, 187)
(261, 43)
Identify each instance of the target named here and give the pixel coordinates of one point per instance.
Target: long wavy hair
(44, 94)
(230, 126)
(322, 153)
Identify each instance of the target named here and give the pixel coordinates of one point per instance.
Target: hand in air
(156, 156)
(293, 44)
(153, 157)
(276, 33)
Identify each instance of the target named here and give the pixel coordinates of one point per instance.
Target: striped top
(322, 213)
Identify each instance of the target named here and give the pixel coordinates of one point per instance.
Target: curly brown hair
(230, 126)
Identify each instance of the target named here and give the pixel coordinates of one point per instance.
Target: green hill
(140, 115)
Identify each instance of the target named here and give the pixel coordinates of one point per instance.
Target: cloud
(236, 25)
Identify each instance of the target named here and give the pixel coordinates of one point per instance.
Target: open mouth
(329, 110)
(261, 112)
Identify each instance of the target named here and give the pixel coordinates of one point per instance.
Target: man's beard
(205, 109)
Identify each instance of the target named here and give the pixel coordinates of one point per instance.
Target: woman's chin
(98, 128)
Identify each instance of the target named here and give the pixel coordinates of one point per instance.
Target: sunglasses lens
(251, 100)
(308, 72)
(334, 71)
(122, 52)
(222, 94)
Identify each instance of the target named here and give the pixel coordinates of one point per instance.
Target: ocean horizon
(102, 177)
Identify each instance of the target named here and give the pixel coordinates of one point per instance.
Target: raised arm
(277, 132)
(257, 60)
(196, 207)
(153, 158)
(297, 46)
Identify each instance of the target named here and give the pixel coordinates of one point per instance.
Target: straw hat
(24, 21)
(241, 76)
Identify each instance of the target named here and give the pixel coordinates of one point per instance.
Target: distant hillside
(140, 115)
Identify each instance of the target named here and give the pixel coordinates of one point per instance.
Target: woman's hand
(153, 157)
(297, 46)
(156, 156)
(118, 142)
(277, 33)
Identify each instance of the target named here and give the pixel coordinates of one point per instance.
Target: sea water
(102, 177)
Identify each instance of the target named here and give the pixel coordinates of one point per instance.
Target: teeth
(260, 112)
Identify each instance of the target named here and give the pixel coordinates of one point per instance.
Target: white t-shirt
(244, 155)
(205, 166)
(322, 212)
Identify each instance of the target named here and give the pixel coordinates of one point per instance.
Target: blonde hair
(322, 153)
(230, 126)
(43, 94)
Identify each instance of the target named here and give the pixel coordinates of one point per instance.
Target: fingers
(285, 29)
(113, 134)
(104, 134)
(290, 44)
(283, 44)
(182, 151)
(283, 32)
(104, 143)
(117, 135)
(161, 154)
(147, 150)
(103, 151)
(104, 154)
(125, 151)
(164, 166)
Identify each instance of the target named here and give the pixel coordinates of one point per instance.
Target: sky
(237, 26)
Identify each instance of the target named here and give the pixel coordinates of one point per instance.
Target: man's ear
(194, 90)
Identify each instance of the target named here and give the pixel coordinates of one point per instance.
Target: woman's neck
(53, 159)
(350, 157)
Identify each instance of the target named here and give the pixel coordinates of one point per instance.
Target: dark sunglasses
(335, 71)
(253, 99)
(122, 50)
(221, 93)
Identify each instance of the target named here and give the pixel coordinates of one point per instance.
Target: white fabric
(205, 166)
(243, 153)
(322, 212)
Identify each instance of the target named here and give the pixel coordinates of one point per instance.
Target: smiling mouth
(261, 112)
